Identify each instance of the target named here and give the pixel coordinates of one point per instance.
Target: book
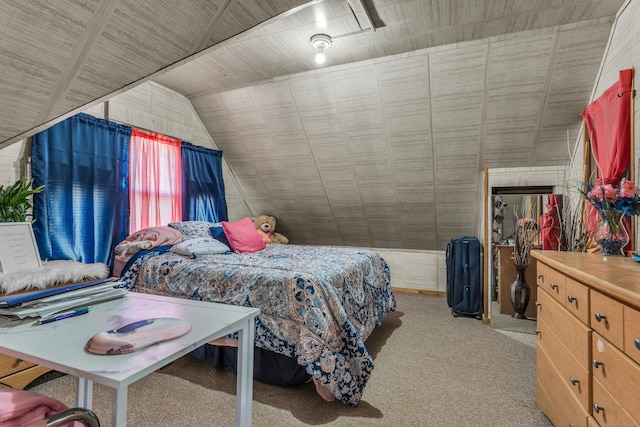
(48, 307)
(14, 300)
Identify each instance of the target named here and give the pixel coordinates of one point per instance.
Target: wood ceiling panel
(374, 169)
(517, 86)
(139, 38)
(566, 97)
(311, 187)
(457, 83)
(338, 179)
(377, 192)
(29, 69)
(253, 187)
(210, 107)
(294, 146)
(404, 93)
(444, 89)
(60, 55)
(283, 188)
(329, 150)
(416, 199)
(247, 13)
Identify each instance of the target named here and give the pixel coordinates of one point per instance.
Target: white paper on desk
(47, 309)
(72, 294)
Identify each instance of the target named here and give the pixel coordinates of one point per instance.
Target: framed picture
(18, 248)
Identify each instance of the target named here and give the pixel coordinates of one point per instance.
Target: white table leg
(244, 385)
(119, 407)
(84, 393)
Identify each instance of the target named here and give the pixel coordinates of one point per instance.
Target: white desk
(60, 346)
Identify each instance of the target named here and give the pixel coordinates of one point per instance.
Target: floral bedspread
(318, 304)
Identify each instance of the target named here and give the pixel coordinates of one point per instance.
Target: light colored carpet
(505, 322)
(431, 369)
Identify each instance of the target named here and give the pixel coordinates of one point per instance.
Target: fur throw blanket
(52, 273)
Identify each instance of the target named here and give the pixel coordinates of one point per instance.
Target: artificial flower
(607, 199)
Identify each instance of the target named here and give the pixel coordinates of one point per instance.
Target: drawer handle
(572, 299)
(538, 304)
(596, 363)
(599, 317)
(574, 381)
(538, 332)
(597, 408)
(636, 341)
(539, 276)
(553, 286)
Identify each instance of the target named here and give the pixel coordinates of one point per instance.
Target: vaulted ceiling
(381, 146)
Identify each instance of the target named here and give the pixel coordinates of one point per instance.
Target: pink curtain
(155, 180)
(550, 225)
(609, 129)
(607, 119)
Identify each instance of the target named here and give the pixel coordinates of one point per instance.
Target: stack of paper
(46, 302)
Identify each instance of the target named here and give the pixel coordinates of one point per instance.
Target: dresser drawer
(577, 301)
(10, 365)
(607, 318)
(575, 336)
(606, 410)
(551, 391)
(572, 373)
(557, 287)
(617, 373)
(632, 333)
(542, 275)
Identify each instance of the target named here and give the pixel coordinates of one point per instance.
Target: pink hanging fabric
(155, 180)
(550, 225)
(609, 129)
(608, 123)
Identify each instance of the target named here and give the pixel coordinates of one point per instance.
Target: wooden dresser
(588, 326)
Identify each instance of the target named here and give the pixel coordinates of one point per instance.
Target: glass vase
(611, 235)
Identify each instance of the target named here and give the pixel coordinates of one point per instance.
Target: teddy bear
(266, 226)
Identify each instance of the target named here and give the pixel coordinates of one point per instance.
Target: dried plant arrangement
(525, 237)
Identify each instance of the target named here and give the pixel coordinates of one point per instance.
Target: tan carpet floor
(431, 369)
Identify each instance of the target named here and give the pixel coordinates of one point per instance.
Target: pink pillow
(243, 236)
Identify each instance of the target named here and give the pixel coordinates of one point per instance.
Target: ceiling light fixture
(320, 42)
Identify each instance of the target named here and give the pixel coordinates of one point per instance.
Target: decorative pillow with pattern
(194, 229)
(200, 246)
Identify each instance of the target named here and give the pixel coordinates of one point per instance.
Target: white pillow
(200, 246)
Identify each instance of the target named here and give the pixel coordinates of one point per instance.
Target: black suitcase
(464, 277)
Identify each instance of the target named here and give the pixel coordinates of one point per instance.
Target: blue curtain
(83, 211)
(203, 196)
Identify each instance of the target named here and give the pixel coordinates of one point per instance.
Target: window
(155, 180)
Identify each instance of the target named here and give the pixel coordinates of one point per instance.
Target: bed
(318, 304)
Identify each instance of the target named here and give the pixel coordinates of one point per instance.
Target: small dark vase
(520, 293)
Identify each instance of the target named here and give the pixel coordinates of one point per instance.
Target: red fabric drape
(550, 225)
(155, 180)
(608, 125)
(607, 119)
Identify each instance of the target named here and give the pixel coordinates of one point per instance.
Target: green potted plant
(15, 201)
